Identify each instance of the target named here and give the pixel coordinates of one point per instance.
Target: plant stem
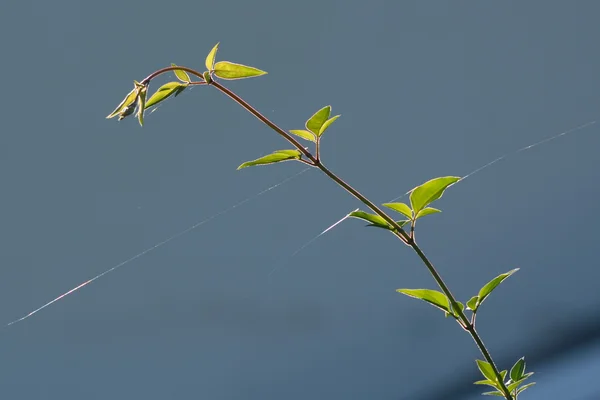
(467, 325)
(398, 231)
(317, 163)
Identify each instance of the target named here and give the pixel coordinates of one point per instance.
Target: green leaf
(165, 91)
(401, 208)
(486, 370)
(142, 104)
(516, 372)
(318, 119)
(326, 125)
(389, 228)
(472, 303)
(486, 382)
(498, 393)
(304, 134)
(229, 70)
(181, 74)
(210, 58)
(525, 387)
(491, 285)
(207, 77)
(427, 211)
(430, 191)
(276, 156)
(374, 219)
(433, 297)
(129, 100)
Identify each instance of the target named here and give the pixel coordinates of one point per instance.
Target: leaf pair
(420, 198)
(439, 299)
(316, 125)
(228, 70)
(136, 99)
(514, 384)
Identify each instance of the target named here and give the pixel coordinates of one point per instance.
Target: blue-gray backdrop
(425, 88)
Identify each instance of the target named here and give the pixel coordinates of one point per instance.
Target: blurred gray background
(425, 88)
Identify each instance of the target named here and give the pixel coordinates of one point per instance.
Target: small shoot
(275, 157)
(130, 102)
(227, 69)
(430, 191)
(514, 384)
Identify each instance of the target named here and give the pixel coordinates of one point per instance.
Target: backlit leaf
(304, 134)
(326, 124)
(276, 156)
(401, 208)
(165, 91)
(181, 74)
(430, 191)
(491, 285)
(433, 297)
(229, 70)
(318, 119)
(210, 58)
(486, 370)
(427, 211)
(374, 219)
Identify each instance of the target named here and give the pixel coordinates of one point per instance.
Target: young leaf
(427, 211)
(430, 191)
(491, 285)
(401, 208)
(276, 156)
(472, 303)
(210, 58)
(304, 134)
(318, 119)
(389, 228)
(497, 393)
(229, 70)
(207, 77)
(374, 219)
(525, 387)
(128, 101)
(165, 91)
(181, 74)
(516, 372)
(142, 104)
(486, 382)
(326, 125)
(433, 297)
(486, 370)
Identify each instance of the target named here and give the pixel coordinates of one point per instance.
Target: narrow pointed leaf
(401, 208)
(433, 297)
(486, 370)
(461, 306)
(374, 219)
(517, 371)
(181, 74)
(304, 134)
(276, 156)
(388, 227)
(430, 191)
(128, 100)
(165, 91)
(427, 211)
(210, 58)
(229, 70)
(326, 124)
(318, 119)
(473, 303)
(142, 104)
(497, 393)
(525, 387)
(486, 382)
(491, 285)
